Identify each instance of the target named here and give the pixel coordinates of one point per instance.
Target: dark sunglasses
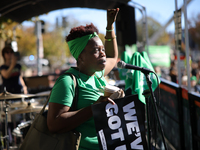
(9, 52)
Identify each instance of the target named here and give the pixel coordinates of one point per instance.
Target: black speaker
(125, 26)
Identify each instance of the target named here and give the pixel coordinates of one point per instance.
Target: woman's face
(93, 57)
(8, 54)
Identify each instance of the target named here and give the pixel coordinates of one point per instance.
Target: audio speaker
(125, 26)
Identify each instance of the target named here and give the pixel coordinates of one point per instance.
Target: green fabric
(136, 80)
(126, 58)
(77, 45)
(89, 91)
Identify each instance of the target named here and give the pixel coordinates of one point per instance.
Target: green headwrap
(77, 45)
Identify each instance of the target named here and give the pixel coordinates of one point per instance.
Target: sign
(178, 29)
(159, 55)
(120, 126)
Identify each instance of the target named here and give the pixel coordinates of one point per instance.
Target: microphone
(123, 65)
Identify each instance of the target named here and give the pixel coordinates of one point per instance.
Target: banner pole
(176, 44)
(187, 45)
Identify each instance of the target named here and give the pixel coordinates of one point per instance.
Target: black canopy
(21, 10)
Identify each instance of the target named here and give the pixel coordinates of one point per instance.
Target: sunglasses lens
(9, 52)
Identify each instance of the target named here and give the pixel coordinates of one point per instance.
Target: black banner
(120, 126)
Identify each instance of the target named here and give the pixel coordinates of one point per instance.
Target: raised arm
(110, 41)
(7, 73)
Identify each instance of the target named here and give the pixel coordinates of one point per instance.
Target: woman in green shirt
(93, 63)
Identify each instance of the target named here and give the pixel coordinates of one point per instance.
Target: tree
(6, 29)
(55, 48)
(153, 26)
(26, 41)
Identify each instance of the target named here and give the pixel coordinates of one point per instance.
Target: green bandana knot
(77, 45)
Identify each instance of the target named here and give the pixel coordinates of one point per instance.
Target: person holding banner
(94, 62)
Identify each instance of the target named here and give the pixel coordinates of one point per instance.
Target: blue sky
(160, 10)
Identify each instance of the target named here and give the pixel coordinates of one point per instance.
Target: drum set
(17, 104)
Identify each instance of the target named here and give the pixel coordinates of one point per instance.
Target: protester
(184, 81)
(158, 71)
(194, 67)
(198, 72)
(194, 86)
(11, 73)
(94, 62)
(173, 72)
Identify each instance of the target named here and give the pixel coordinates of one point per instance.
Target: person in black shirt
(11, 73)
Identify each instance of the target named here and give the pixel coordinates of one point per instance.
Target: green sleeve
(63, 91)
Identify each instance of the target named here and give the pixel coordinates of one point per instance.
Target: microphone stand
(149, 83)
(146, 94)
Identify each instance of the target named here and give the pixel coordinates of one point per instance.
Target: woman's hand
(104, 99)
(13, 60)
(111, 16)
(118, 94)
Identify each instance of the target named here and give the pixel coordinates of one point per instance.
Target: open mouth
(102, 61)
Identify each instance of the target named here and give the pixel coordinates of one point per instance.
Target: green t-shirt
(90, 89)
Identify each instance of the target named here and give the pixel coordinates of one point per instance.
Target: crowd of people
(194, 75)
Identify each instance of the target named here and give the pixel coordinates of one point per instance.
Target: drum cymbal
(27, 109)
(7, 95)
(18, 104)
(45, 93)
(24, 104)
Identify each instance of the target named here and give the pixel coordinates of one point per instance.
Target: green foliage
(55, 47)
(5, 20)
(27, 41)
(6, 29)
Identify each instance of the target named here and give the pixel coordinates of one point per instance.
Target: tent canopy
(21, 10)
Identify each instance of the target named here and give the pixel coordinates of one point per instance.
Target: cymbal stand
(1, 119)
(6, 137)
(24, 116)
